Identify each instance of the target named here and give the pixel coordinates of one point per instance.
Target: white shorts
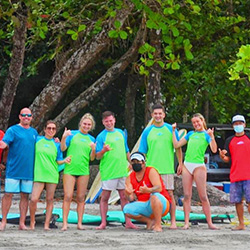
(168, 180)
(192, 166)
(114, 184)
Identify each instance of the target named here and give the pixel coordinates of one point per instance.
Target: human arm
(213, 144)
(65, 160)
(154, 178)
(179, 156)
(129, 190)
(177, 144)
(66, 133)
(105, 149)
(223, 155)
(92, 154)
(4, 158)
(3, 145)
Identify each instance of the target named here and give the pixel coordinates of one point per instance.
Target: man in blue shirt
(20, 139)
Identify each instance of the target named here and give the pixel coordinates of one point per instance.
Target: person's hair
(107, 114)
(90, 117)
(157, 106)
(49, 122)
(202, 119)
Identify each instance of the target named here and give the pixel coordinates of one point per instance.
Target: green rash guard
(46, 167)
(114, 163)
(78, 147)
(157, 144)
(196, 146)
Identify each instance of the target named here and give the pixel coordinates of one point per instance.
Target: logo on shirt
(240, 142)
(46, 145)
(160, 133)
(117, 138)
(84, 140)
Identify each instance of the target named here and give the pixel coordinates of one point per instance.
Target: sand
(117, 237)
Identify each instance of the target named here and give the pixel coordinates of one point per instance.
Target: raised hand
(66, 132)
(174, 125)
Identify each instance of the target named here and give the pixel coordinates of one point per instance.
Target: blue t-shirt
(21, 155)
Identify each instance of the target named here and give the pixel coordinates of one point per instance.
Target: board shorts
(114, 184)
(192, 166)
(239, 189)
(168, 180)
(144, 208)
(17, 186)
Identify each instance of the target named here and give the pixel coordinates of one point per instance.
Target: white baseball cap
(137, 156)
(238, 118)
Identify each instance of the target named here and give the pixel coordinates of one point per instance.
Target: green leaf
(70, 32)
(161, 64)
(117, 24)
(175, 31)
(168, 11)
(65, 15)
(81, 27)
(41, 34)
(149, 63)
(123, 34)
(113, 34)
(74, 36)
(175, 66)
(189, 55)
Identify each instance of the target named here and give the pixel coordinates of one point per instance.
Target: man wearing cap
(237, 151)
(144, 186)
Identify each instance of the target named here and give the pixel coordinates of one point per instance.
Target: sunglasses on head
(26, 115)
(51, 128)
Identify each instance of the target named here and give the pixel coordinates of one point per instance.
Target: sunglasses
(26, 115)
(51, 128)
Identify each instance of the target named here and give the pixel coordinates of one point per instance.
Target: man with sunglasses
(20, 139)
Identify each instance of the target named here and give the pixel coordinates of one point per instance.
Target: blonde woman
(194, 167)
(80, 147)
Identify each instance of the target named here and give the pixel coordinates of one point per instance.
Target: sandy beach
(117, 237)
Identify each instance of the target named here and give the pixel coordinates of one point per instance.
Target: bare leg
(6, 204)
(50, 191)
(68, 188)
(82, 183)
(240, 213)
(172, 210)
(23, 206)
(36, 192)
(104, 208)
(200, 178)
(124, 201)
(156, 206)
(187, 181)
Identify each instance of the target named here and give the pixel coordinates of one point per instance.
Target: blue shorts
(238, 189)
(144, 208)
(17, 186)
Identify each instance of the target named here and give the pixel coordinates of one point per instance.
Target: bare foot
(239, 228)
(23, 227)
(130, 225)
(80, 227)
(64, 228)
(185, 227)
(32, 226)
(173, 226)
(157, 229)
(213, 227)
(150, 225)
(2, 226)
(47, 229)
(101, 227)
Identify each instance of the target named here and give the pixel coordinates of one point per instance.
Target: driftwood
(216, 196)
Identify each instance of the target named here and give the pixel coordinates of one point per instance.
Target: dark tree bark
(153, 87)
(96, 88)
(134, 82)
(78, 63)
(16, 65)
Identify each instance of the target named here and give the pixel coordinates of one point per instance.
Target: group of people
(146, 193)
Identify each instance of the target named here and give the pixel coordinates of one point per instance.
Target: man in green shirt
(113, 152)
(157, 144)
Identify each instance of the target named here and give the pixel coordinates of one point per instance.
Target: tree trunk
(153, 87)
(96, 88)
(79, 62)
(15, 68)
(134, 81)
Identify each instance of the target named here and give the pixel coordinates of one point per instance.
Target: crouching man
(146, 189)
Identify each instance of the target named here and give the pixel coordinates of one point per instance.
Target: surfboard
(13, 218)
